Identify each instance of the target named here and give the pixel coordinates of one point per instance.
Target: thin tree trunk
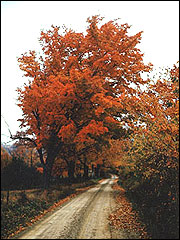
(97, 170)
(7, 197)
(31, 159)
(86, 170)
(71, 170)
(46, 177)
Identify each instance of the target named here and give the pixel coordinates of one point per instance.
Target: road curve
(83, 217)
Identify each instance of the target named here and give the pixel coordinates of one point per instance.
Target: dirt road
(83, 217)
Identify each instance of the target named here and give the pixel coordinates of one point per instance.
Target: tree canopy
(83, 88)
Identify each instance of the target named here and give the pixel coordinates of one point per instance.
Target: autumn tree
(161, 115)
(5, 158)
(152, 180)
(79, 89)
(153, 148)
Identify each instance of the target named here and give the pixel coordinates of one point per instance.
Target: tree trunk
(93, 170)
(31, 159)
(86, 170)
(48, 170)
(46, 177)
(71, 170)
(52, 152)
(97, 170)
(7, 197)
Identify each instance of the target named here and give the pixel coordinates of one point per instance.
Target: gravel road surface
(83, 217)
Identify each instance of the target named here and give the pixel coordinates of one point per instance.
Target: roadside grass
(125, 218)
(157, 206)
(160, 215)
(27, 206)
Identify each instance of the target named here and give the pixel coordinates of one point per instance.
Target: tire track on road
(95, 224)
(68, 220)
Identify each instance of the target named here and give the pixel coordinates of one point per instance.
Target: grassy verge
(156, 208)
(24, 209)
(125, 219)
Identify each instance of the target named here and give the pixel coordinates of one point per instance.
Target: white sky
(22, 21)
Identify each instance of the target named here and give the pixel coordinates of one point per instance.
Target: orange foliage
(40, 169)
(154, 146)
(81, 83)
(5, 158)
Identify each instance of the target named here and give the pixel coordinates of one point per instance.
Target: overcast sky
(22, 21)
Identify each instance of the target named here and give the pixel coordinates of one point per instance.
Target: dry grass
(26, 202)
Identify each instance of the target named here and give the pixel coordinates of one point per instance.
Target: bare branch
(7, 126)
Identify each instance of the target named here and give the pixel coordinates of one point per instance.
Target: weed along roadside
(156, 204)
(125, 222)
(28, 206)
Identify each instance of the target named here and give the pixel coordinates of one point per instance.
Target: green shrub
(17, 214)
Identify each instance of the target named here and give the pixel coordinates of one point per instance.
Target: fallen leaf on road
(125, 217)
